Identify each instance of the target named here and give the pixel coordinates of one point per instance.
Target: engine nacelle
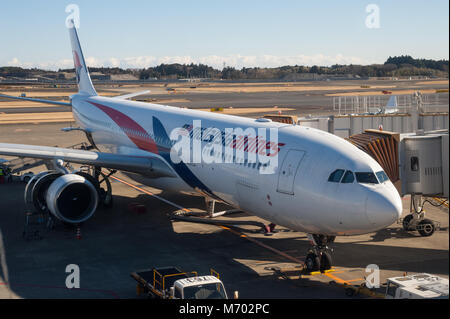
(72, 198)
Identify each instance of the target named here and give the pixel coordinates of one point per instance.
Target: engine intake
(72, 198)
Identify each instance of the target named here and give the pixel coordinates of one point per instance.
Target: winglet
(83, 79)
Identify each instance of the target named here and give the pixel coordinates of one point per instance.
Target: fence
(436, 102)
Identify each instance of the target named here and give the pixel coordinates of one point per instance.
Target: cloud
(216, 61)
(46, 65)
(240, 61)
(13, 62)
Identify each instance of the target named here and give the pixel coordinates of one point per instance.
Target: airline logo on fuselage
(234, 138)
(255, 147)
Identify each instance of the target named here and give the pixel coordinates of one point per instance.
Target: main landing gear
(318, 257)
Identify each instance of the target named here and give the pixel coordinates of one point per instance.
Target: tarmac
(302, 98)
(120, 240)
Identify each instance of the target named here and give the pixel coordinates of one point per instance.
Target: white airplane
(322, 185)
(392, 105)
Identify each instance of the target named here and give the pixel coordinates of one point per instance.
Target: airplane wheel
(427, 228)
(406, 222)
(107, 201)
(312, 262)
(325, 262)
(349, 292)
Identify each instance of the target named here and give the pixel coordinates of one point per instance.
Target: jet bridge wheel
(426, 228)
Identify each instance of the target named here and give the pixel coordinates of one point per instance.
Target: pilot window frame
(345, 181)
(382, 176)
(363, 178)
(332, 178)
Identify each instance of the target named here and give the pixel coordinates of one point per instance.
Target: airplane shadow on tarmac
(117, 241)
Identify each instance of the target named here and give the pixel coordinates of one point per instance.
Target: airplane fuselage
(297, 194)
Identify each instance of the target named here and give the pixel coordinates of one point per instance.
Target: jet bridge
(417, 164)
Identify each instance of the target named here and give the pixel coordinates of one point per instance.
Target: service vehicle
(419, 286)
(172, 283)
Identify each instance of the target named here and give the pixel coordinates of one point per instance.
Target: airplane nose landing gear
(318, 257)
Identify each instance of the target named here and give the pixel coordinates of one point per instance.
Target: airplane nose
(383, 208)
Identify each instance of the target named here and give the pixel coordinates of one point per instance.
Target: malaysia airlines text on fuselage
(297, 196)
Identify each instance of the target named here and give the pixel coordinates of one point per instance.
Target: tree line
(395, 66)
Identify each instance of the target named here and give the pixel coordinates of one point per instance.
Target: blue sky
(140, 33)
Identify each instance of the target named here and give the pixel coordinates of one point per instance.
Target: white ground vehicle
(202, 287)
(419, 286)
(172, 283)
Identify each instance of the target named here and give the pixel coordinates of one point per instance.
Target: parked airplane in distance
(298, 177)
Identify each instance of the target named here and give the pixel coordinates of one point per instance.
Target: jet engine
(71, 198)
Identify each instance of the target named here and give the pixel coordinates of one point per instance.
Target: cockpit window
(366, 178)
(382, 177)
(348, 177)
(335, 177)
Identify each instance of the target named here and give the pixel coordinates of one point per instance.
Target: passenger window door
(288, 171)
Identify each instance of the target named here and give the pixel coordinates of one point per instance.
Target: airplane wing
(131, 95)
(35, 100)
(151, 166)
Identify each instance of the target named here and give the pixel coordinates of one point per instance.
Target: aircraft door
(288, 171)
